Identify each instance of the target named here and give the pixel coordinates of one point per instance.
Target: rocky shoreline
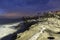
(52, 26)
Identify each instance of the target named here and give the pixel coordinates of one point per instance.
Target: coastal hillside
(47, 28)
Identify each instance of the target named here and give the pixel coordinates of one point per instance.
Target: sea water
(7, 29)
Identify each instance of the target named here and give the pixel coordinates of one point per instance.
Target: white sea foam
(6, 30)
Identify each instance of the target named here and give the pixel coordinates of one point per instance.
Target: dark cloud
(29, 6)
(36, 2)
(8, 4)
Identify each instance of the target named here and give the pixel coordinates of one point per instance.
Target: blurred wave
(7, 29)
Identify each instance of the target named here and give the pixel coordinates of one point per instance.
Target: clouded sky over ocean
(27, 7)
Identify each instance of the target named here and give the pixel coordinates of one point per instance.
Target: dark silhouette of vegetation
(47, 15)
(25, 26)
(29, 18)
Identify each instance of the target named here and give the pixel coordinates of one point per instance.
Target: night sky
(15, 8)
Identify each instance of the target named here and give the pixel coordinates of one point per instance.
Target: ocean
(7, 27)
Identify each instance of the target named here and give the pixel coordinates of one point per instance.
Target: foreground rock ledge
(52, 26)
